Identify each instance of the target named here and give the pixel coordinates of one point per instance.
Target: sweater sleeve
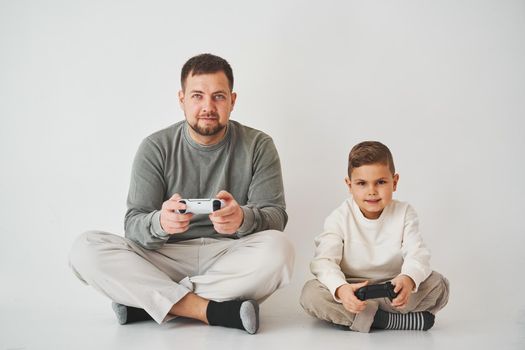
(328, 254)
(416, 256)
(265, 208)
(145, 197)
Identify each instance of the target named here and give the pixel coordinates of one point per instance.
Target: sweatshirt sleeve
(145, 197)
(416, 256)
(265, 208)
(328, 254)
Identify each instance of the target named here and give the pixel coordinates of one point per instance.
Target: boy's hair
(206, 63)
(370, 152)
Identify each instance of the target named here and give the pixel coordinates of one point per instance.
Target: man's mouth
(209, 117)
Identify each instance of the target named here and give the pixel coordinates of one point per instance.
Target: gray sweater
(244, 163)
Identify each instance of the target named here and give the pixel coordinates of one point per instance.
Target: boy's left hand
(404, 286)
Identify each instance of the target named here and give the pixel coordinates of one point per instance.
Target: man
(214, 268)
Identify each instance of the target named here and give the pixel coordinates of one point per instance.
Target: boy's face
(372, 187)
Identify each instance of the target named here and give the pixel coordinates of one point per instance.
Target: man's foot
(418, 321)
(241, 314)
(127, 314)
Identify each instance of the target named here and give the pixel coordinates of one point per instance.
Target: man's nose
(208, 105)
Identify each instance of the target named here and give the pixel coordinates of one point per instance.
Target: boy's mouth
(372, 201)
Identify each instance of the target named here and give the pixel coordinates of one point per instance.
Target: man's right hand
(171, 221)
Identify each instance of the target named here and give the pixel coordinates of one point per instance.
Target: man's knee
(86, 249)
(276, 251)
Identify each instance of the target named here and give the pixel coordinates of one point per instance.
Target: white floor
(78, 318)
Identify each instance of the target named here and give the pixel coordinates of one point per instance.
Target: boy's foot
(241, 314)
(127, 314)
(418, 321)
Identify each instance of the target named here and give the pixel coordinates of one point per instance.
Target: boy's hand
(348, 298)
(404, 286)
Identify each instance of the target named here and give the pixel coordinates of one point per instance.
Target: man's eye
(219, 97)
(196, 96)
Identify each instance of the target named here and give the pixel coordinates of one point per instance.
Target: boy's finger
(356, 286)
(397, 287)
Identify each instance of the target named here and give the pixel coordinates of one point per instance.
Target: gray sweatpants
(316, 300)
(251, 267)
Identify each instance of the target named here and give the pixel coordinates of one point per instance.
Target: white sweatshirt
(353, 246)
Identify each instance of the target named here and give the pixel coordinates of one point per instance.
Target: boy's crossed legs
(431, 297)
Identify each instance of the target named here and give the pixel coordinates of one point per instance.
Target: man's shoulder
(249, 133)
(167, 133)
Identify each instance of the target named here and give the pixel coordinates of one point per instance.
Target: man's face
(372, 187)
(207, 103)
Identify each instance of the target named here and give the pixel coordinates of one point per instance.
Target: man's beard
(207, 131)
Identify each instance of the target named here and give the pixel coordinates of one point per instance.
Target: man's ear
(234, 98)
(181, 98)
(396, 180)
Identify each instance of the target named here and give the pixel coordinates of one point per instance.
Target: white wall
(440, 82)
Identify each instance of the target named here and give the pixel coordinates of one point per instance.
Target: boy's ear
(348, 182)
(396, 180)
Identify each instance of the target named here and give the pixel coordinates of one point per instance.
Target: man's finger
(224, 195)
(175, 197)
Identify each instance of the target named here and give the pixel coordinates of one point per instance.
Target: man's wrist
(247, 221)
(156, 227)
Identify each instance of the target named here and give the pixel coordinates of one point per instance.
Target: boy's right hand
(346, 293)
(171, 221)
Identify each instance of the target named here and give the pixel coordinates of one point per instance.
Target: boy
(371, 239)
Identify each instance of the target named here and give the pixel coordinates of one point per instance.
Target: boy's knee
(313, 294)
(437, 281)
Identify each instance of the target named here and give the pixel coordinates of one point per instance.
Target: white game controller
(201, 205)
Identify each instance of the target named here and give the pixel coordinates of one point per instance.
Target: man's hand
(404, 286)
(229, 218)
(171, 221)
(348, 298)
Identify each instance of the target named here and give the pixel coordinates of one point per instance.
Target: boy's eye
(381, 182)
(360, 183)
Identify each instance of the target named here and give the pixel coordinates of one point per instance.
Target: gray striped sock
(420, 321)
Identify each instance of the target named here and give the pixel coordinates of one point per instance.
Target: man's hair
(370, 152)
(206, 63)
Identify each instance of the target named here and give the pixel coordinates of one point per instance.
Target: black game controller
(375, 291)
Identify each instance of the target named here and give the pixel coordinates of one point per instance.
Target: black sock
(420, 321)
(241, 314)
(128, 314)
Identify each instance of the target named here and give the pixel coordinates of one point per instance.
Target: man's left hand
(229, 218)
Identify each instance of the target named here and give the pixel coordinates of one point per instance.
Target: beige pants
(252, 267)
(316, 300)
